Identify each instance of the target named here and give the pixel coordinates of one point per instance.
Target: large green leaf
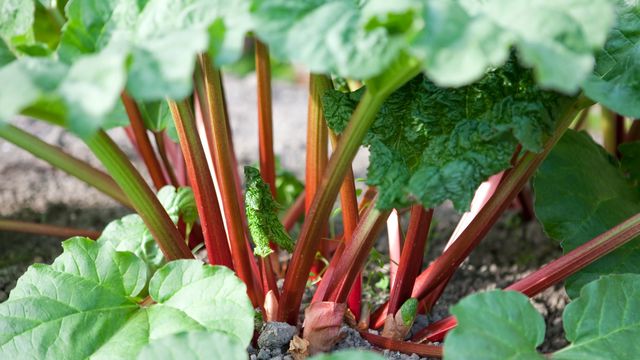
(131, 234)
(93, 23)
(87, 304)
(616, 80)
(194, 345)
(432, 144)
(581, 192)
(335, 36)
(80, 96)
(31, 83)
(604, 322)
(462, 38)
(162, 36)
(495, 325)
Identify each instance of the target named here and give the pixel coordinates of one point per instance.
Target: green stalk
(143, 199)
(65, 162)
(311, 233)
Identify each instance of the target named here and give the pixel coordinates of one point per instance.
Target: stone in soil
(276, 335)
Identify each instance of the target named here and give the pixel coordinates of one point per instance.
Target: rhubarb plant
(460, 101)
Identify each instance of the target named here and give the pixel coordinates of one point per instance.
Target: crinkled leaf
(495, 325)
(332, 36)
(581, 192)
(461, 39)
(616, 80)
(194, 345)
(262, 215)
(349, 355)
(87, 304)
(631, 161)
(430, 144)
(604, 322)
(131, 234)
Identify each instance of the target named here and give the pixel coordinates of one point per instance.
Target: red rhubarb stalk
(403, 346)
(355, 253)
(46, 230)
(212, 99)
(265, 116)
(317, 148)
(350, 218)
(160, 140)
(215, 238)
(412, 254)
(142, 141)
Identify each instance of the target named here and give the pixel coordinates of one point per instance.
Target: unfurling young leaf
(262, 215)
(581, 192)
(89, 304)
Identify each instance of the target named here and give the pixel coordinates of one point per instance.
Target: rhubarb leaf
(131, 234)
(430, 144)
(574, 204)
(495, 325)
(600, 324)
(194, 345)
(30, 84)
(461, 39)
(615, 81)
(262, 215)
(604, 321)
(337, 36)
(16, 18)
(88, 303)
(6, 55)
(92, 24)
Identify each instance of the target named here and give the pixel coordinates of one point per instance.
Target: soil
(31, 190)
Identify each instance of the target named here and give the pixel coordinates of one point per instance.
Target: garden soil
(30, 190)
